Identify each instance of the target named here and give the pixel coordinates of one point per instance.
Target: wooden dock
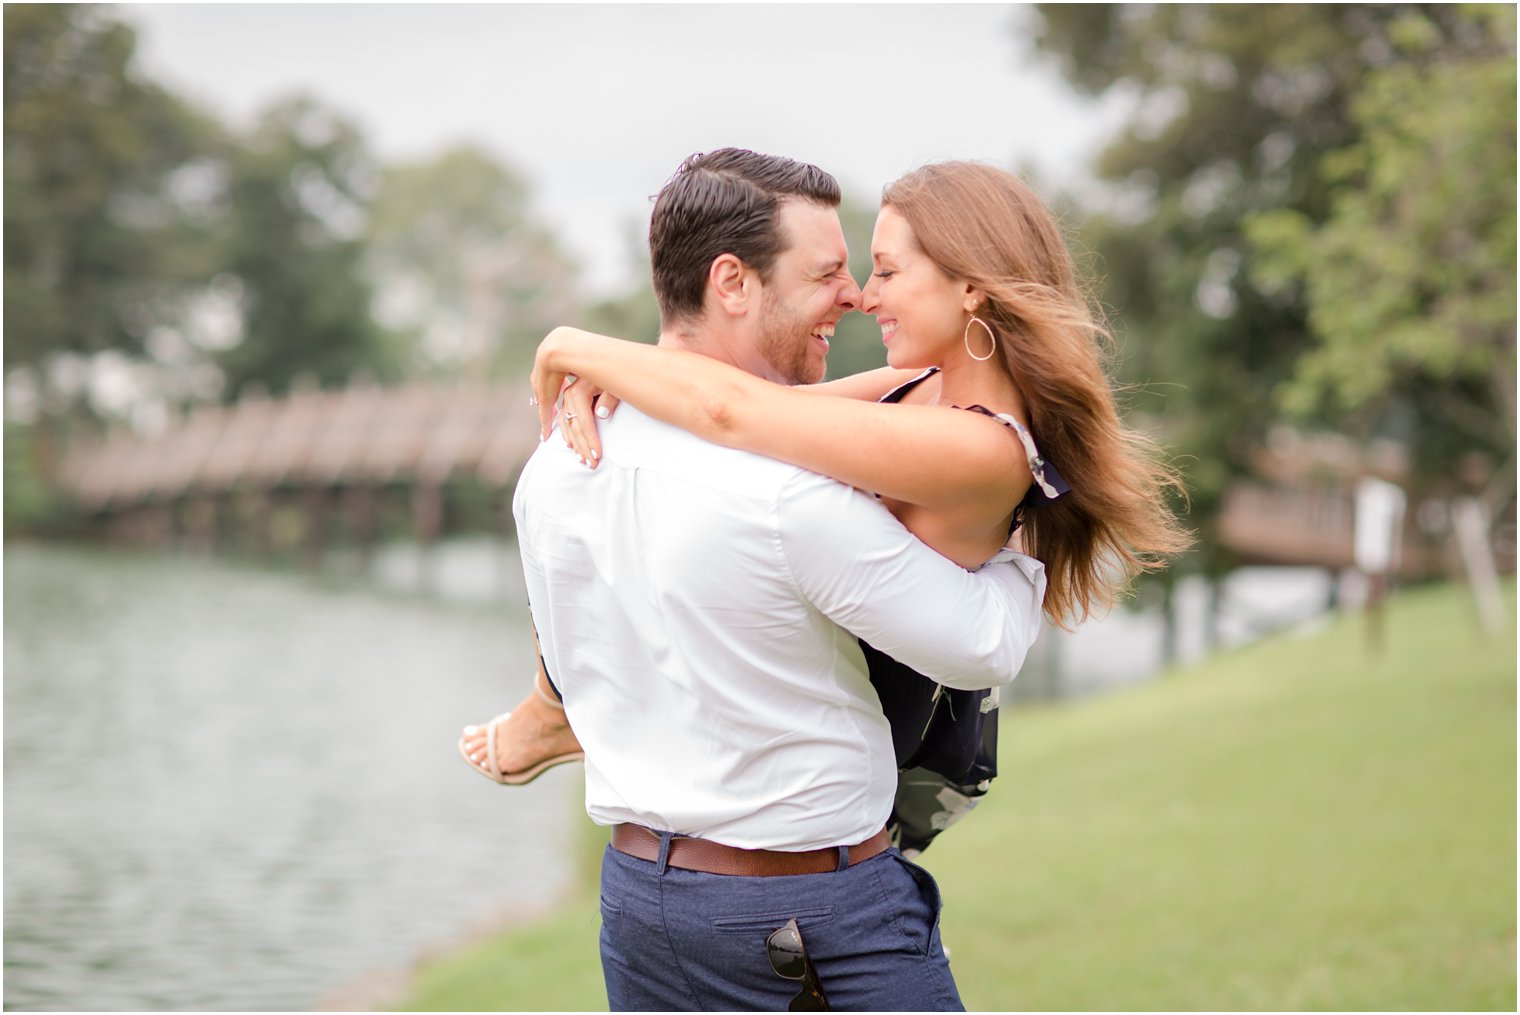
(325, 451)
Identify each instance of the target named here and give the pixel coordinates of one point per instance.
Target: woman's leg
(532, 733)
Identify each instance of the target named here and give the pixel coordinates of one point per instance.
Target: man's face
(809, 291)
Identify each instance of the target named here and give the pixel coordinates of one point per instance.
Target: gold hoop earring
(990, 337)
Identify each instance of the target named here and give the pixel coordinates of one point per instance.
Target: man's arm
(857, 564)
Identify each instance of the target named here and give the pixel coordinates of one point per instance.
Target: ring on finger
(569, 415)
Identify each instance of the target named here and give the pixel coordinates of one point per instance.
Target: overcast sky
(597, 104)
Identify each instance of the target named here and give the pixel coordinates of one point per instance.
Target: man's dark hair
(724, 202)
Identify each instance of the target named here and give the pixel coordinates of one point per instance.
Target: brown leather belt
(715, 858)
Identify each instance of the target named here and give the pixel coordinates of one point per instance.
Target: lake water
(231, 789)
(1127, 645)
(234, 789)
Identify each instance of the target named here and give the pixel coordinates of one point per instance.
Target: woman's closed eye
(884, 275)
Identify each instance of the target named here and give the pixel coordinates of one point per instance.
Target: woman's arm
(868, 386)
(930, 456)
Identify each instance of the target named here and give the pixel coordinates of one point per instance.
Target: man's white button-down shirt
(698, 608)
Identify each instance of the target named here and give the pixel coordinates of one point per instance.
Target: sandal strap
(546, 697)
(491, 765)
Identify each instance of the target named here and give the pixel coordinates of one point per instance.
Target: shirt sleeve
(863, 570)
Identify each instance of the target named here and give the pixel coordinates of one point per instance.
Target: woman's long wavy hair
(985, 226)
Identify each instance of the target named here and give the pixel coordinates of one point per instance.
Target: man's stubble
(786, 342)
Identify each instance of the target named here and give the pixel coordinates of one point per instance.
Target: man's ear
(732, 283)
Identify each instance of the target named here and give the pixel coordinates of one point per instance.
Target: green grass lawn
(1297, 825)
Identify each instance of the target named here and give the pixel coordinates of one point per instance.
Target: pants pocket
(766, 922)
(920, 922)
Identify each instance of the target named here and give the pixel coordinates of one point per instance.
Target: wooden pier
(248, 468)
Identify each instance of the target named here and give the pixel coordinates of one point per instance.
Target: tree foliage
(633, 314)
(93, 156)
(152, 255)
(1257, 114)
(155, 256)
(461, 267)
(1410, 277)
(295, 199)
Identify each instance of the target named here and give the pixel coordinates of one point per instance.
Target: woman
(994, 361)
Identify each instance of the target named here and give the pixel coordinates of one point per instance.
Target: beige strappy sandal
(493, 772)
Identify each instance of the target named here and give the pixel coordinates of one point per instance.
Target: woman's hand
(579, 403)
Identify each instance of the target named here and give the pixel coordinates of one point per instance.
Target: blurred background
(273, 279)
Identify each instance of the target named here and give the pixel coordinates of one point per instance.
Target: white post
(1470, 520)
(1377, 539)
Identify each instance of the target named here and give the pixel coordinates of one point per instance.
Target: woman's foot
(529, 740)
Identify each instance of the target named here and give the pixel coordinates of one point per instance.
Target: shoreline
(383, 989)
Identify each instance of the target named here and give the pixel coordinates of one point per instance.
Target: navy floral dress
(946, 739)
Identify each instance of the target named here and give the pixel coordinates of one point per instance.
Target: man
(698, 606)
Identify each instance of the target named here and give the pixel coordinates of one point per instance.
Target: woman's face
(921, 310)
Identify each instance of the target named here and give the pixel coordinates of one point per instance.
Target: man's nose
(849, 294)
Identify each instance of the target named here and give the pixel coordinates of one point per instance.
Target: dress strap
(1047, 479)
(897, 393)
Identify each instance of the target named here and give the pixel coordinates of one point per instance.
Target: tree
(1410, 277)
(633, 314)
(154, 258)
(100, 245)
(1237, 108)
(295, 199)
(462, 269)
(94, 160)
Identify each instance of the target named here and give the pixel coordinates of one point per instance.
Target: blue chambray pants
(679, 940)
